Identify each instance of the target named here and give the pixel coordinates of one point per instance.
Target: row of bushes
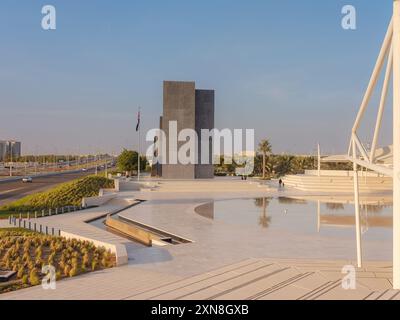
(66, 194)
(26, 253)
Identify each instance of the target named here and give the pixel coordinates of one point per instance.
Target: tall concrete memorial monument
(187, 108)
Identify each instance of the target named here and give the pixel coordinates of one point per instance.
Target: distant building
(191, 109)
(2, 150)
(9, 149)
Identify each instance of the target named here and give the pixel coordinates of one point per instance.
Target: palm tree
(264, 148)
(285, 165)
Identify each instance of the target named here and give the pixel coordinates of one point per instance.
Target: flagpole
(139, 147)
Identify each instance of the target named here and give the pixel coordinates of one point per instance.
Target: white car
(27, 180)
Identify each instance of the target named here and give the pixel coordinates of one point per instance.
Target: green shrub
(24, 279)
(66, 194)
(51, 258)
(67, 269)
(34, 277)
(20, 273)
(73, 272)
(85, 260)
(95, 264)
(26, 252)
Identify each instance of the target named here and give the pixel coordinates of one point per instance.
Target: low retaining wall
(121, 185)
(98, 201)
(139, 235)
(119, 250)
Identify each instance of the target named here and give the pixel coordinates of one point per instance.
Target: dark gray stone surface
(191, 109)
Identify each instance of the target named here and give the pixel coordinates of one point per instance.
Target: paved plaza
(223, 261)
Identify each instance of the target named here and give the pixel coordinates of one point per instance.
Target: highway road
(14, 190)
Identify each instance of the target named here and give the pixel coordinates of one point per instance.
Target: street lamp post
(11, 162)
(95, 162)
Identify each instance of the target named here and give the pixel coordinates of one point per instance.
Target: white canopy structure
(383, 156)
(386, 160)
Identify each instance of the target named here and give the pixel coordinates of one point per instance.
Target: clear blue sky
(283, 67)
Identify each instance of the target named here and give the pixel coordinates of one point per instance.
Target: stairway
(338, 184)
(208, 186)
(263, 279)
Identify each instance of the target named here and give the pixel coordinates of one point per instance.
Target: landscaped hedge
(66, 194)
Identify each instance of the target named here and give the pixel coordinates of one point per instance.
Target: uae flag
(138, 121)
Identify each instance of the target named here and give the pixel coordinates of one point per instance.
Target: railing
(31, 220)
(50, 212)
(33, 226)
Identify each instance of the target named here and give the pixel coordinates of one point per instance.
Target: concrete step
(337, 184)
(269, 279)
(244, 285)
(216, 283)
(203, 279)
(388, 294)
(294, 289)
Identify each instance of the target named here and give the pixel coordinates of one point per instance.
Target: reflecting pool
(330, 217)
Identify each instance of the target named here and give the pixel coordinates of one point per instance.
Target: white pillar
(382, 104)
(374, 77)
(396, 144)
(357, 209)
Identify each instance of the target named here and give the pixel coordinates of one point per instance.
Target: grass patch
(19, 231)
(26, 252)
(65, 194)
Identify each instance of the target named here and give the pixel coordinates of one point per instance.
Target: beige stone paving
(254, 279)
(249, 279)
(205, 270)
(263, 281)
(112, 284)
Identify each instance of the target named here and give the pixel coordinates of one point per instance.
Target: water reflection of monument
(264, 220)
